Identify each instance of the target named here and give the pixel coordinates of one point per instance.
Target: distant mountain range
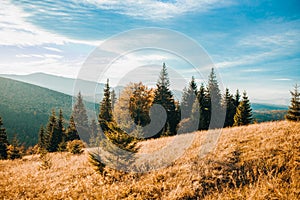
(26, 104)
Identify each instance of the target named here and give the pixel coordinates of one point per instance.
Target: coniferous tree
(53, 133)
(106, 114)
(214, 100)
(61, 132)
(204, 108)
(113, 99)
(293, 113)
(237, 98)
(164, 97)
(14, 149)
(94, 136)
(42, 143)
(3, 141)
(243, 115)
(81, 118)
(188, 99)
(229, 105)
(71, 133)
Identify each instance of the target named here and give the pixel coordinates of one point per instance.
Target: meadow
(258, 161)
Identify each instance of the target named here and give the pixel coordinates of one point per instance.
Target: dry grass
(260, 161)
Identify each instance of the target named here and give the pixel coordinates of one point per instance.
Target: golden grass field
(259, 161)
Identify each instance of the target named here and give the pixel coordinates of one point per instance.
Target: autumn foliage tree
(140, 103)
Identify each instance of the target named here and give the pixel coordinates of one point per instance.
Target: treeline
(134, 116)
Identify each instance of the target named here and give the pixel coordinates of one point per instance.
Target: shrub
(75, 146)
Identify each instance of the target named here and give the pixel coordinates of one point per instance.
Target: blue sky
(255, 45)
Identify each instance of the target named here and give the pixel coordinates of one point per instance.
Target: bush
(75, 146)
(14, 152)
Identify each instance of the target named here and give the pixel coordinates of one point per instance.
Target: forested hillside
(25, 107)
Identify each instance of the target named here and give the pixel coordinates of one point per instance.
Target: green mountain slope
(25, 107)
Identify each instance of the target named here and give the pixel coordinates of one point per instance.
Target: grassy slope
(260, 161)
(25, 107)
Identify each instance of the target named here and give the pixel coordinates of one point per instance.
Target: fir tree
(214, 99)
(42, 143)
(293, 113)
(54, 136)
(106, 114)
(204, 108)
(229, 105)
(164, 97)
(14, 150)
(3, 141)
(71, 133)
(81, 118)
(113, 99)
(237, 98)
(188, 99)
(94, 136)
(243, 115)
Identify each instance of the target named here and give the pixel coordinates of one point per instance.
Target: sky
(254, 45)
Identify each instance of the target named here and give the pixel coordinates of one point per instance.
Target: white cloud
(282, 79)
(15, 30)
(157, 10)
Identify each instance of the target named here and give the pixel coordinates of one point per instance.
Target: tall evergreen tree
(164, 97)
(214, 99)
(204, 108)
(3, 141)
(94, 133)
(293, 113)
(53, 133)
(51, 129)
(106, 114)
(71, 132)
(188, 99)
(81, 118)
(42, 143)
(243, 115)
(237, 98)
(113, 99)
(229, 105)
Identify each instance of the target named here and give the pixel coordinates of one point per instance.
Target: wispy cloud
(282, 79)
(157, 10)
(16, 30)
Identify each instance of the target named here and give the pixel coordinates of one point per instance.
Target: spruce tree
(71, 133)
(106, 115)
(204, 108)
(243, 115)
(237, 98)
(164, 97)
(81, 118)
(229, 105)
(93, 133)
(113, 99)
(14, 150)
(214, 99)
(42, 143)
(54, 137)
(3, 141)
(188, 99)
(293, 113)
